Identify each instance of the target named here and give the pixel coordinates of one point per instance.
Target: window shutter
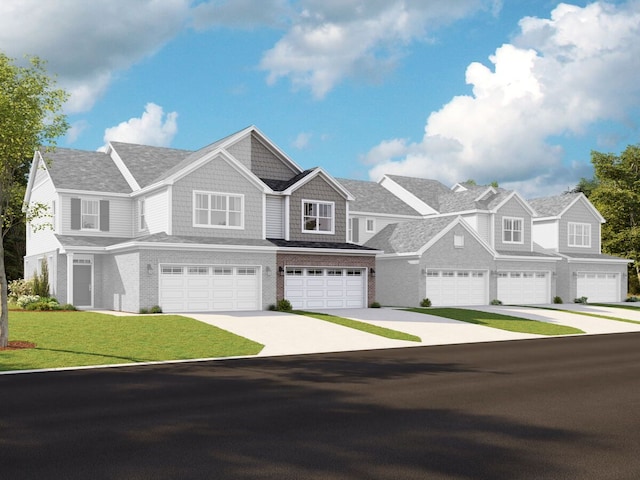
(104, 215)
(76, 205)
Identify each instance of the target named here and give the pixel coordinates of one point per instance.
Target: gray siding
(120, 282)
(216, 176)
(256, 157)
(120, 216)
(513, 208)
(318, 189)
(579, 213)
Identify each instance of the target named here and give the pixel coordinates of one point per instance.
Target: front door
(82, 285)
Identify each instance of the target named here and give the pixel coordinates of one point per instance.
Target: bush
(155, 309)
(495, 301)
(43, 304)
(67, 306)
(284, 305)
(375, 305)
(557, 299)
(425, 303)
(19, 288)
(25, 300)
(272, 307)
(580, 300)
(632, 298)
(143, 311)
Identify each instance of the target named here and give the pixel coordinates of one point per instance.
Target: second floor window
(579, 234)
(90, 214)
(512, 230)
(142, 222)
(220, 210)
(317, 217)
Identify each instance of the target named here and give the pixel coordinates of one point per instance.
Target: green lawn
(598, 315)
(70, 339)
(496, 320)
(363, 326)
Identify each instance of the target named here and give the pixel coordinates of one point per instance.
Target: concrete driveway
(289, 334)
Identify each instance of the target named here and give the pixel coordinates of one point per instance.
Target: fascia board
(484, 192)
(515, 258)
(187, 246)
(546, 219)
(122, 167)
(275, 149)
(318, 171)
(389, 215)
(70, 191)
(522, 201)
(333, 251)
(458, 221)
(37, 158)
(595, 260)
(403, 255)
(406, 196)
(589, 205)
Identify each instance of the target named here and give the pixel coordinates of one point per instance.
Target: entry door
(82, 285)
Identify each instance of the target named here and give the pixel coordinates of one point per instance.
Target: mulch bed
(18, 345)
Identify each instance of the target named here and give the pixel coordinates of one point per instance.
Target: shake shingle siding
(513, 209)
(579, 213)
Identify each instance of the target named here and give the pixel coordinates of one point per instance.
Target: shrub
(272, 307)
(580, 300)
(67, 306)
(19, 288)
(155, 309)
(425, 303)
(632, 298)
(375, 305)
(44, 304)
(557, 299)
(25, 300)
(495, 301)
(284, 305)
(143, 310)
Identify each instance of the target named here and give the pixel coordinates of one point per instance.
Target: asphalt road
(564, 408)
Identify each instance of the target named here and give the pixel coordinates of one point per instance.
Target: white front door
(325, 287)
(599, 286)
(524, 288)
(457, 287)
(202, 288)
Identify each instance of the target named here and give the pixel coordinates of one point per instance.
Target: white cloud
(556, 78)
(85, 42)
(330, 40)
(302, 140)
(152, 128)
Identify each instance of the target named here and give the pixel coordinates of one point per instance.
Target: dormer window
(512, 230)
(317, 217)
(579, 235)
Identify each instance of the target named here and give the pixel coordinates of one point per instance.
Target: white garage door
(203, 288)
(599, 287)
(523, 287)
(457, 287)
(323, 287)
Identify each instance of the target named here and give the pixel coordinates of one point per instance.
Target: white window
(317, 217)
(142, 223)
(579, 234)
(218, 210)
(90, 214)
(458, 241)
(350, 230)
(371, 225)
(512, 230)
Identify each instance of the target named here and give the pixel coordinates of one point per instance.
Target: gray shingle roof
(84, 170)
(374, 198)
(554, 205)
(517, 253)
(281, 185)
(84, 241)
(592, 256)
(147, 163)
(425, 189)
(328, 245)
(408, 237)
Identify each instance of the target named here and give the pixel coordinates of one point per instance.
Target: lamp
(149, 269)
(372, 272)
(281, 271)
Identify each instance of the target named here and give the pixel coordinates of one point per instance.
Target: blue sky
(518, 92)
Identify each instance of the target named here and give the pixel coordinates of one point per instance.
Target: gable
(261, 160)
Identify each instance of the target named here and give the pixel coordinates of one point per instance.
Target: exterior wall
(118, 282)
(513, 208)
(317, 189)
(379, 223)
(156, 213)
(149, 284)
(545, 234)
(581, 214)
(573, 268)
(216, 176)
(318, 260)
(256, 157)
(398, 282)
(43, 240)
(33, 264)
(120, 216)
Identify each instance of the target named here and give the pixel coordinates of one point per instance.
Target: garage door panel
(327, 287)
(523, 287)
(599, 287)
(453, 287)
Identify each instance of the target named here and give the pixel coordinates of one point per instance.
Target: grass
(363, 326)
(71, 339)
(496, 320)
(597, 315)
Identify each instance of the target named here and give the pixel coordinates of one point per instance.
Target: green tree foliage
(30, 116)
(616, 194)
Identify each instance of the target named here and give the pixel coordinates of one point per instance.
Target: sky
(514, 91)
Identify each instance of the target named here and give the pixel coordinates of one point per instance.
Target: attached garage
(457, 287)
(325, 287)
(202, 288)
(524, 287)
(599, 286)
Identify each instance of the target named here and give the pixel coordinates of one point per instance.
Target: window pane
(218, 218)
(235, 219)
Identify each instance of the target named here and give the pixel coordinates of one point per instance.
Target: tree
(30, 117)
(616, 194)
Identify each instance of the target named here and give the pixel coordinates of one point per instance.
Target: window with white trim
(142, 223)
(218, 210)
(458, 240)
(579, 234)
(512, 230)
(371, 225)
(317, 217)
(90, 214)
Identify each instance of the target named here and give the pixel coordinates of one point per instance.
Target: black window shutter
(104, 215)
(75, 214)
